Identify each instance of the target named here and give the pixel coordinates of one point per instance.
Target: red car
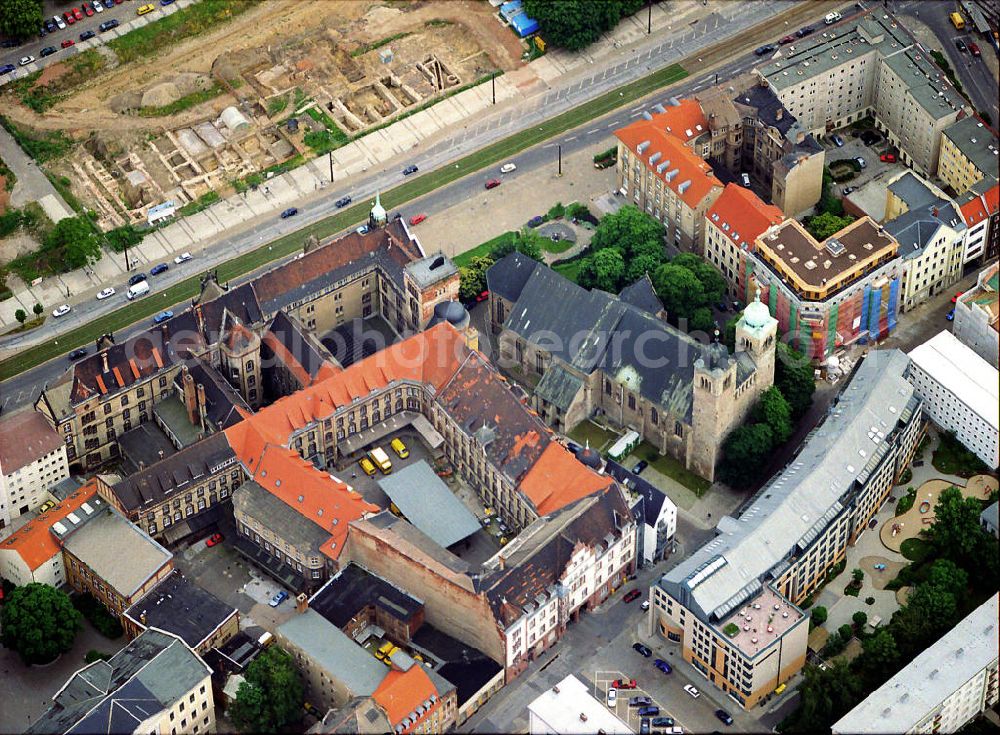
(631, 595)
(77, 14)
(215, 538)
(954, 299)
(69, 17)
(68, 42)
(974, 49)
(418, 219)
(624, 684)
(483, 296)
(493, 183)
(786, 39)
(887, 158)
(88, 9)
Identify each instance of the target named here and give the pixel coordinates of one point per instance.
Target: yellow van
(143, 9)
(380, 459)
(957, 20)
(399, 448)
(367, 466)
(384, 650)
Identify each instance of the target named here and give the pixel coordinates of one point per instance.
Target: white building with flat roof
(569, 709)
(960, 394)
(946, 686)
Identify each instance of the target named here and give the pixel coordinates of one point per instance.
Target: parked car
(47, 505)
(399, 448)
(482, 296)
(960, 44)
(837, 140)
(105, 293)
(69, 18)
(612, 698)
(417, 219)
(183, 258)
(642, 650)
(61, 311)
(163, 316)
(78, 353)
(644, 726)
(508, 168)
(9, 43)
(143, 9)
(411, 169)
(662, 666)
(645, 605)
(77, 13)
(25, 60)
(692, 690)
(625, 684)
(639, 702)
(957, 296)
(745, 178)
(60, 23)
(290, 212)
(640, 466)
(493, 183)
(49, 50)
(136, 279)
(7, 68)
(108, 25)
(861, 162)
(166, 2)
(803, 32)
(215, 538)
(536, 221)
(631, 595)
(974, 50)
(849, 189)
(724, 716)
(278, 598)
(663, 722)
(764, 50)
(650, 711)
(362, 230)
(786, 39)
(158, 269)
(87, 35)
(887, 158)
(88, 9)
(950, 316)
(98, 7)
(342, 202)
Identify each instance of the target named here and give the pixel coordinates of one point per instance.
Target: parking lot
(855, 147)
(629, 702)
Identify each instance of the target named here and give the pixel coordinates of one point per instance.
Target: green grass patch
(324, 141)
(438, 23)
(673, 469)
(260, 177)
(183, 103)
(349, 217)
(556, 246)
(362, 50)
(205, 200)
(78, 69)
(41, 145)
(463, 259)
(952, 458)
(570, 269)
(205, 15)
(587, 432)
(915, 549)
(27, 326)
(906, 502)
(63, 185)
(276, 105)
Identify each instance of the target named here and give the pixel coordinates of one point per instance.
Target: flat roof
(977, 143)
(962, 372)
(429, 504)
(353, 588)
(760, 622)
(919, 689)
(179, 606)
(569, 707)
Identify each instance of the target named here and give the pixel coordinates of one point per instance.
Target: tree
(702, 321)
(39, 622)
(793, 376)
(819, 615)
(605, 270)
(21, 315)
(640, 265)
(472, 277)
(712, 282)
(857, 576)
(948, 576)
(38, 309)
(826, 696)
(744, 453)
(272, 695)
(881, 656)
(729, 332)
(527, 242)
(575, 24)
(826, 224)
(772, 409)
(955, 531)
(860, 620)
(20, 18)
(679, 289)
(630, 230)
(846, 632)
(76, 238)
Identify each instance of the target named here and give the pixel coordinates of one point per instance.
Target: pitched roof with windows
(407, 694)
(34, 542)
(742, 216)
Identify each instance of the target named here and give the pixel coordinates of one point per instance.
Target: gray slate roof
(914, 192)
(428, 504)
(508, 275)
(179, 606)
(642, 295)
(558, 386)
(798, 503)
(916, 229)
(975, 140)
(286, 522)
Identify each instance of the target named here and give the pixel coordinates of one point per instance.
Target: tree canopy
(827, 223)
(472, 277)
(630, 230)
(955, 531)
(39, 622)
(575, 24)
(20, 18)
(679, 289)
(527, 242)
(793, 376)
(772, 409)
(76, 237)
(272, 695)
(603, 270)
(744, 454)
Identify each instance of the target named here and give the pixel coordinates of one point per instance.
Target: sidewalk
(544, 88)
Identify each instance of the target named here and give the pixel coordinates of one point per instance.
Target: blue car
(662, 666)
(278, 598)
(950, 316)
(290, 212)
(162, 316)
(650, 711)
(6, 68)
(87, 35)
(158, 269)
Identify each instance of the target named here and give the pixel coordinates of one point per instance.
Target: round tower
(378, 216)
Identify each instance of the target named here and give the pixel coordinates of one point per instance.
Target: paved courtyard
(921, 515)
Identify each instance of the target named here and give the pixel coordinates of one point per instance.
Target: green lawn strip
(183, 103)
(391, 199)
(588, 433)
(673, 469)
(915, 549)
(570, 269)
(463, 259)
(557, 246)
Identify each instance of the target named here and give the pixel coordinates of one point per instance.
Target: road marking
(595, 130)
(572, 137)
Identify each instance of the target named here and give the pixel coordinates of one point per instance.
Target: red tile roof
(34, 541)
(741, 215)
(401, 692)
(684, 167)
(685, 121)
(558, 479)
(982, 207)
(24, 438)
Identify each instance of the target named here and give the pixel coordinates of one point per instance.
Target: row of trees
(575, 24)
(959, 575)
(22, 316)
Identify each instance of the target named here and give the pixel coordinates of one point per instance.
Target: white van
(832, 18)
(139, 289)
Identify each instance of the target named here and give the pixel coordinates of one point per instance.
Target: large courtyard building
(732, 604)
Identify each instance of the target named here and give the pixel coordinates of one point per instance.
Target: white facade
(942, 689)
(976, 317)
(24, 488)
(14, 568)
(937, 266)
(568, 708)
(960, 394)
(663, 527)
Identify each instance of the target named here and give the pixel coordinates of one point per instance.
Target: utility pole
(560, 159)
(493, 79)
(331, 166)
(649, 19)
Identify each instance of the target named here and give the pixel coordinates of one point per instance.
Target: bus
(957, 21)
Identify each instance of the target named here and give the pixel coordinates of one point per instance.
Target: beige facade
(969, 152)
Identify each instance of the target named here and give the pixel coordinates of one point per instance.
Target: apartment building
(944, 688)
(732, 604)
(32, 459)
(931, 235)
(871, 66)
(980, 207)
(959, 390)
(977, 316)
(827, 294)
(969, 152)
(155, 684)
(663, 176)
(595, 352)
(732, 227)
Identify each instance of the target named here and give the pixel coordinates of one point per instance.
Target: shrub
(104, 622)
(860, 619)
(819, 615)
(846, 631)
(605, 155)
(95, 655)
(869, 600)
(731, 629)
(557, 211)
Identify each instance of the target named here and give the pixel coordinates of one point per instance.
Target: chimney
(200, 318)
(201, 403)
(142, 618)
(934, 211)
(190, 397)
(301, 602)
(142, 465)
(160, 454)
(779, 114)
(104, 361)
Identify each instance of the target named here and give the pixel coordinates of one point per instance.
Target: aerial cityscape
(550, 367)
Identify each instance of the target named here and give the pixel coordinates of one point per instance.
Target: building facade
(977, 313)
(969, 152)
(32, 459)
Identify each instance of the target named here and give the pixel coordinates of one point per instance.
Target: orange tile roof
(741, 215)
(558, 479)
(685, 121)
(401, 692)
(34, 541)
(981, 207)
(684, 167)
(327, 502)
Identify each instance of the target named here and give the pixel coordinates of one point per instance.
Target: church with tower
(592, 354)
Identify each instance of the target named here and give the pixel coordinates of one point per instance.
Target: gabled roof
(25, 437)
(33, 541)
(558, 479)
(742, 216)
(298, 351)
(401, 692)
(430, 505)
(508, 275)
(980, 202)
(642, 295)
(225, 406)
